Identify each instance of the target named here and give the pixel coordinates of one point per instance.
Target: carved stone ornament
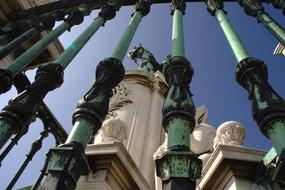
(162, 149)
(230, 133)
(202, 138)
(114, 130)
(118, 99)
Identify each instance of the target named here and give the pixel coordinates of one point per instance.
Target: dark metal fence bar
(90, 112)
(268, 108)
(254, 8)
(46, 23)
(36, 146)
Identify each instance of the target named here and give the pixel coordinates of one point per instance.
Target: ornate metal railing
(179, 167)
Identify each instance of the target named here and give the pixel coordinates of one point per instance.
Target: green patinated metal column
(268, 107)
(15, 116)
(278, 4)
(23, 60)
(44, 24)
(178, 167)
(254, 8)
(7, 74)
(68, 161)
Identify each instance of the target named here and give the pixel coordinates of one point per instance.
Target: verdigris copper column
(20, 111)
(178, 167)
(278, 4)
(254, 8)
(15, 28)
(46, 23)
(28, 56)
(68, 162)
(268, 107)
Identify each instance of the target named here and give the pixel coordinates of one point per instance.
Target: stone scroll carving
(230, 133)
(113, 128)
(118, 99)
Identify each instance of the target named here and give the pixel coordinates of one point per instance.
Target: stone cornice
(221, 165)
(117, 149)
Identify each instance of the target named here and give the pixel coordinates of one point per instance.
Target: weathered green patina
(122, 47)
(178, 167)
(65, 165)
(82, 132)
(254, 8)
(18, 42)
(276, 29)
(238, 48)
(62, 62)
(74, 48)
(268, 108)
(24, 59)
(177, 34)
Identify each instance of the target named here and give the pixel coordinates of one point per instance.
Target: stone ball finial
(202, 138)
(230, 133)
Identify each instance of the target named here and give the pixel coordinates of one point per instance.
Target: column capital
(108, 10)
(94, 104)
(214, 5)
(267, 105)
(75, 18)
(143, 6)
(178, 4)
(251, 7)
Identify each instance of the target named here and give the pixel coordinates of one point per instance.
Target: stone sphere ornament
(230, 133)
(202, 138)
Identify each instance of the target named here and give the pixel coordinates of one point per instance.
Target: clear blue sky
(213, 84)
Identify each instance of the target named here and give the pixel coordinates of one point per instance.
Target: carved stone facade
(135, 118)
